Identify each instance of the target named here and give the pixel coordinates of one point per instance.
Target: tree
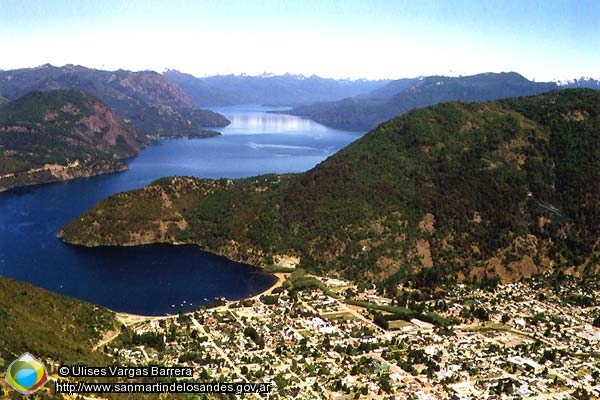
(384, 383)
(251, 333)
(380, 320)
(581, 394)
(269, 299)
(481, 314)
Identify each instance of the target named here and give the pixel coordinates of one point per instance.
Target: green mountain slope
(57, 330)
(50, 325)
(458, 190)
(50, 136)
(401, 96)
(153, 104)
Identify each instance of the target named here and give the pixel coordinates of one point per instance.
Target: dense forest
(476, 191)
(33, 318)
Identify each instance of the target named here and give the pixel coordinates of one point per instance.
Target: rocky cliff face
(49, 136)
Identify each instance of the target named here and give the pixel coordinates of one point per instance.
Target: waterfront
(153, 280)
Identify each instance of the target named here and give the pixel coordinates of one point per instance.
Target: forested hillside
(62, 134)
(455, 191)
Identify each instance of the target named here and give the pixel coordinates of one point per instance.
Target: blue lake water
(156, 279)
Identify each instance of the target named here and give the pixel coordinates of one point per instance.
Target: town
(321, 338)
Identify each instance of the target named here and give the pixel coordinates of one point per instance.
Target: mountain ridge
(450, 192)
(147, 99)
(59, 135)
(400, 96)
(271, 90)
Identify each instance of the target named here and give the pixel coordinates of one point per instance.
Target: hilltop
(456, 191)
(58, 135)
(152, 103)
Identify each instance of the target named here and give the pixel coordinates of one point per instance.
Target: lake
(156, 279)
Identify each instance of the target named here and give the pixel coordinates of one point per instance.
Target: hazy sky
(546, 39)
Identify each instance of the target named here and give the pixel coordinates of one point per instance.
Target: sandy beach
(131, 319)
(281, 277)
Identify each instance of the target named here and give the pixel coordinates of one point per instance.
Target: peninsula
(453, 192)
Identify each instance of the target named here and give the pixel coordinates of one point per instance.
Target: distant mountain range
(456, 191)
(398, 97)
(152, 103)
(358, 104)
(278, 90)
(61, 134)
(168, 104)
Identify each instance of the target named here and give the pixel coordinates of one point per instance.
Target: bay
(156, 279)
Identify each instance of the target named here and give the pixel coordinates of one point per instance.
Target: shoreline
(126, 317)
(130, 318)
(281, 277)
(121, 165)
(82, 174)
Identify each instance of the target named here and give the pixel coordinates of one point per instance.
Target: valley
(389, 226)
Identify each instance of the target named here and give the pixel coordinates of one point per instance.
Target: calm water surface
(156, 279)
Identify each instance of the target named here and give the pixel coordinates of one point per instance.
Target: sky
(374, 39)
